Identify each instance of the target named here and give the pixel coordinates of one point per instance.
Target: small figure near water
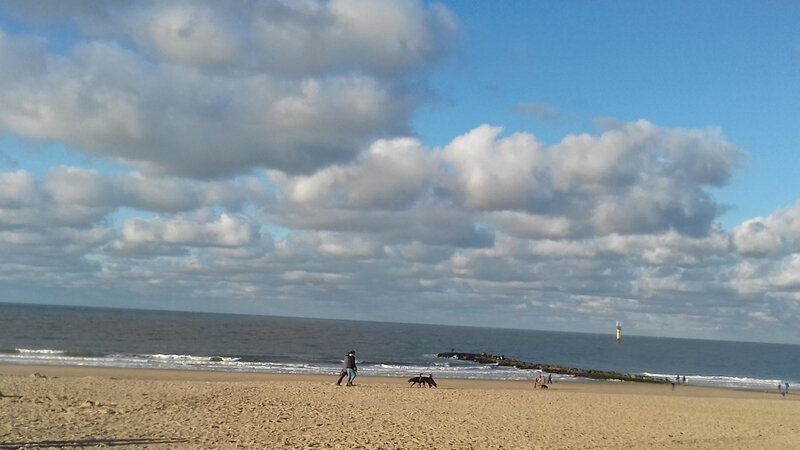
(350, 369)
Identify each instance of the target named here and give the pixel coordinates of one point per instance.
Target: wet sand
(75, 407)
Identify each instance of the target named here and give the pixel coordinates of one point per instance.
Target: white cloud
(188, 33)
(200, 231)
(493, 174)
(411, 238)
(390, 174)
(762, 316)
(519, 186)
(531, 225)
(16, 188)
(207, 99)
(74, 186)
(776, 234)
(638, 150)
(787, 274)
(300, 276)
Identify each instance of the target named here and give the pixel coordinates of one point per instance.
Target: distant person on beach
(549, 378)
(787, 387)
(343, 372)
(535, 382)
(349, 369)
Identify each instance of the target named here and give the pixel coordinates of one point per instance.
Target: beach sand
(64, 407)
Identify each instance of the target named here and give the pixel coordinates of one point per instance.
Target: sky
(539, 165)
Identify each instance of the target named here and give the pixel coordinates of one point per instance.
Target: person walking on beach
(342, 374)
(349, 364)
(350, 367)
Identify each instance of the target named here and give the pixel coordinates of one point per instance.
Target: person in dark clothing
(349, 369)
(342, 374)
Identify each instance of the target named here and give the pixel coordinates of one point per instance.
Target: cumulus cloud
(225, 231)
(118, 108)
(637, 179)
(486, 218)
(193, 35)
(389, 175)
(206, 93)
(76, 197)
(641, 178)
(18, 188)
(770, 247)
(494, 174)
(776, 234)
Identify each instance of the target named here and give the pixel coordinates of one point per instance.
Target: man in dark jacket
(349, 369)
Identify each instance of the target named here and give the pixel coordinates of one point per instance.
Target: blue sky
(732, 65)
(545, 165)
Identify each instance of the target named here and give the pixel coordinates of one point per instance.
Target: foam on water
(440, 368)
(723, 381)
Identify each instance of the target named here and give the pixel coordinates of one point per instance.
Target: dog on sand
(422, 380)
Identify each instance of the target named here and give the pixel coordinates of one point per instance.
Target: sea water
(99, 337)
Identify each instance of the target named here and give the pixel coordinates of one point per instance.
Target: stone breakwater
(501, 360)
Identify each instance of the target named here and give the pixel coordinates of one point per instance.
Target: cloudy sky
(545, 165)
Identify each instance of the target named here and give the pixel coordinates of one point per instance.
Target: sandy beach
(74, 407)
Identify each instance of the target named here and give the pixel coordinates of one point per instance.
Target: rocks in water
(501, 360)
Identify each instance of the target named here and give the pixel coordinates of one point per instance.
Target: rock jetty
(501, 360)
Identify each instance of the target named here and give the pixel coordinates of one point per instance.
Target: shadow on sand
(87, 443)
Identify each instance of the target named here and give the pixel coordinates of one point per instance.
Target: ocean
(100, 337)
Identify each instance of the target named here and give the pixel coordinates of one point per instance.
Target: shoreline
(574, 385)
(78, 407)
